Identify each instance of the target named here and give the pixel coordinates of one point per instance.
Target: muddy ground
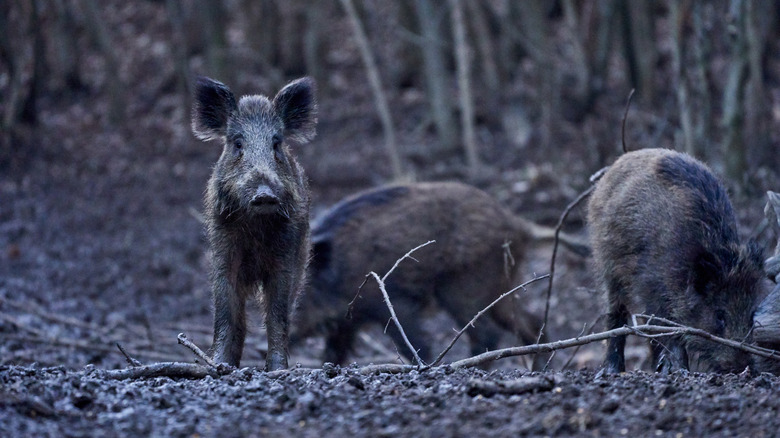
(58, 402)
(101, 242)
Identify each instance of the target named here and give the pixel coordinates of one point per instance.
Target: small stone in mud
(357, 383)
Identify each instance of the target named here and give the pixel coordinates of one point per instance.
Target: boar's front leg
(229, 320)
(278, 294)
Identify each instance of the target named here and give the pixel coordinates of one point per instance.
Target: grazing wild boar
(468, 266)
(664, 240)
(257, 209)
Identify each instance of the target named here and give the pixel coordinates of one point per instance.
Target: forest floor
(101, 242)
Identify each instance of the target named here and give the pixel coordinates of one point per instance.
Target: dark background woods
(507, 80)
(101, 180)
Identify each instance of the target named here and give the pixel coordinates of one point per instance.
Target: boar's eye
(238, 143)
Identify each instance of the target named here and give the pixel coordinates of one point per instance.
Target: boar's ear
(214, 103)
(297, 106)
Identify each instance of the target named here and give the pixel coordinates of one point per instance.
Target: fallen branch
(171, 369)
(162, 369)
(643, 330)
(480, 313)
(522, 385)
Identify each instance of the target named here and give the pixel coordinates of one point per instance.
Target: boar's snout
(264, 198)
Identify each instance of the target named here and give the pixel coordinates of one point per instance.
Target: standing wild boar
(665, 243)
(468, 266)
(257, 209)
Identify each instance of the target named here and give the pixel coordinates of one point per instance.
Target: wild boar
(468, 266)
(664, 240)
(256, 209)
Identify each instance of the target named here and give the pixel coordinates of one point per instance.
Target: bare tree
(677, 12)
(590, 28)
(181, 60)
(463, 58)
(376, 87)
(760, 17)
(102, 40)
(639, 45)
(734, 151)
(435, 72)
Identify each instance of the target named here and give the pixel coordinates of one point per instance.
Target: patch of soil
(343, 402)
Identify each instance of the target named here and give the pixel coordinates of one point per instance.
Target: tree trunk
(102, 41)
(734, 150)
(376, 87)
(436, 73)
(678, 10)
(463, 59)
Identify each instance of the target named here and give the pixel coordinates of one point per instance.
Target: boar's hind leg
(617, 317)
(338, 342)
(229, 323)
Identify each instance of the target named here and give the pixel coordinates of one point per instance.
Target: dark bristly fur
(462, 272)
(257, 210)
(664, 239)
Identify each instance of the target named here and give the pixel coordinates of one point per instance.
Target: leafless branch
(480, 313)
(625, 115)
(407, 255)
(381, 283)
(132, 362)
(558, 227)
(393, 316)
(522, 385)
(162, 369)
(643, 330)
(182, 338)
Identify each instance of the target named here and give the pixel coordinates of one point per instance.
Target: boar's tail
(546, 234)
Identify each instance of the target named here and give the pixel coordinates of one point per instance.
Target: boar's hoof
(275, 362)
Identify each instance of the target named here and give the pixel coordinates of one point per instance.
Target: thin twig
(577, 349)
(558, 227)
(480, 313)
(182, 338)
(407, 255)
(625, 115)
(395, 319)
(381, 283)
(132, 362)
